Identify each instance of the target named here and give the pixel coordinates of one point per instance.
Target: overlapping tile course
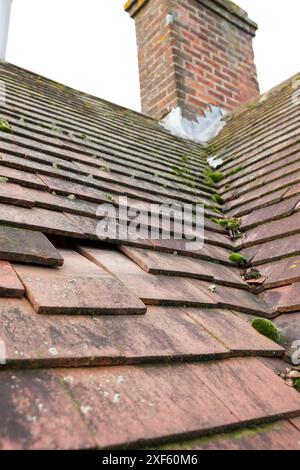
(145, 314)
(260, 147)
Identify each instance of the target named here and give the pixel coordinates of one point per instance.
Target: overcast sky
(90, 44)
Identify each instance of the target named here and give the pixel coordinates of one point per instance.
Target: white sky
(90, 44)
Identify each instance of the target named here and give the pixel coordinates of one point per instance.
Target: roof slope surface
(116, 326)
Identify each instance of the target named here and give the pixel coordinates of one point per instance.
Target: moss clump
(266, 328)
(209, 183)
(214, 176)
(237, 259)
(252, 274)
(218, 199)
(230, 224)
(4, 125)
(110, 197)
(297, 384)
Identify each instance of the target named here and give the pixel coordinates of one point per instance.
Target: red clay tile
(273, 250)
(115, 152)
(26, 246)
(292, 191)
(78, 287)
(21, 177)
(10, 285)
(296, 423)
(36, 413)
(162, 398)
(281, 273)
(272, 230)
(173, 265)
(283, 299)
(256, 204)
(234, 332)
(111, 259)
(162, 335)
(179, 401)
(249, 399)
(15, 194)
(207, 252)
(270, 213)
(166, 290)
(40, 220)
(234, 299)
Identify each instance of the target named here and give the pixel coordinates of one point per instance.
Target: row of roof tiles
(167, 309)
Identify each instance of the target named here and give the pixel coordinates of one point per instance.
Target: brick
(202, 36)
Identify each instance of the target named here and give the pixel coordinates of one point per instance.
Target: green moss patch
(214, 176)
(218, 199)
(252, 274)
(266, 328)
(237, 259)
(4, 125)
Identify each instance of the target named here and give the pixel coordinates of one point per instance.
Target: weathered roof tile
(111, 394)
(78, 287)
(36, 413)
(26, 246)
(10, 285)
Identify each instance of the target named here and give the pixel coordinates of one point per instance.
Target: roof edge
(225, 8)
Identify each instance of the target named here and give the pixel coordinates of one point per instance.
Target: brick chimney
(193, 53)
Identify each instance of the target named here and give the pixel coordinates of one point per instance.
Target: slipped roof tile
(235, 299)
(26, 246)
(78, 287)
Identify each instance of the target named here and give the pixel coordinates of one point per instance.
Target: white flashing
(215, 162)
(201, 131)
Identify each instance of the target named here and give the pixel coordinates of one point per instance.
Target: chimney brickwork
(193, 53)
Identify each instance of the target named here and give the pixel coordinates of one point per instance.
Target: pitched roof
(124, 325)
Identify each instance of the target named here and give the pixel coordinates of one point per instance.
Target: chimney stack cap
(225, 8)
